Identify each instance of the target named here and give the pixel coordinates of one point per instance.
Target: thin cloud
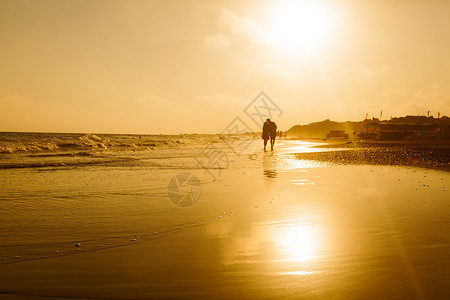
(389, 92)
(434, 96)
(11, 98)
(218, 41)
(244, 26)
(405, 101)
(433, 92)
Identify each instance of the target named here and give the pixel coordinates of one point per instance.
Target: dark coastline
(423, 154)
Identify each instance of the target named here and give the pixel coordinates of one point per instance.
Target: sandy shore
(289, 229)
(423, 154)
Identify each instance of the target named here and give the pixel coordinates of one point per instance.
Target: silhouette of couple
(269, 131)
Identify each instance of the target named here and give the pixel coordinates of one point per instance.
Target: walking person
(272, 133)
(269, 131)
(265, 133)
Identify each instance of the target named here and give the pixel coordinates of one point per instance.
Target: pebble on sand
(77, 245)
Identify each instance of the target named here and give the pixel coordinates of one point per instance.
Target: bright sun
(302, 27)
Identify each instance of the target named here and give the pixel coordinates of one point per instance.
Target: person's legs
(265, 144)
(272, 142)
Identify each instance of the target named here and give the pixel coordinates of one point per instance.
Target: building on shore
(337, 134)
(402, 131)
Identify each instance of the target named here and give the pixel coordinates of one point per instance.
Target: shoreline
(423, 154)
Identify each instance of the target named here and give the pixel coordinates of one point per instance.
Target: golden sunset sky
(192, 66)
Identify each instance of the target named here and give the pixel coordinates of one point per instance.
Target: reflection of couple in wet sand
(269, 131)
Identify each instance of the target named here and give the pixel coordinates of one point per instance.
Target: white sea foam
(35, 150)
(36, 142)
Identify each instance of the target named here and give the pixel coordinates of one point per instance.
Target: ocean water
(28, 150)
(104, 190)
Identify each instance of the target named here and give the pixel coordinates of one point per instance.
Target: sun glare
(302, 27)
(297, 243)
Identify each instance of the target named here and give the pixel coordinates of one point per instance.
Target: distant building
(401, 131)
(337, 134)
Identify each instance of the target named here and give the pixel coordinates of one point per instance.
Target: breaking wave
(56, 150)
(47, 142)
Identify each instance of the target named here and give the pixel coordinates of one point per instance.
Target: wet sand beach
(433, 154)
(274, 225)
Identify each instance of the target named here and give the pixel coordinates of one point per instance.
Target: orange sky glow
(192, 66)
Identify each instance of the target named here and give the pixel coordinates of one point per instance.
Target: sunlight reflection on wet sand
(284, 160)
(295, 241)
(352, 232)
(302, 146)
(281, 229)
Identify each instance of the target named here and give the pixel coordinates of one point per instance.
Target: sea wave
(47, 164)
(19, 143)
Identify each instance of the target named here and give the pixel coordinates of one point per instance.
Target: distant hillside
(320, 129)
